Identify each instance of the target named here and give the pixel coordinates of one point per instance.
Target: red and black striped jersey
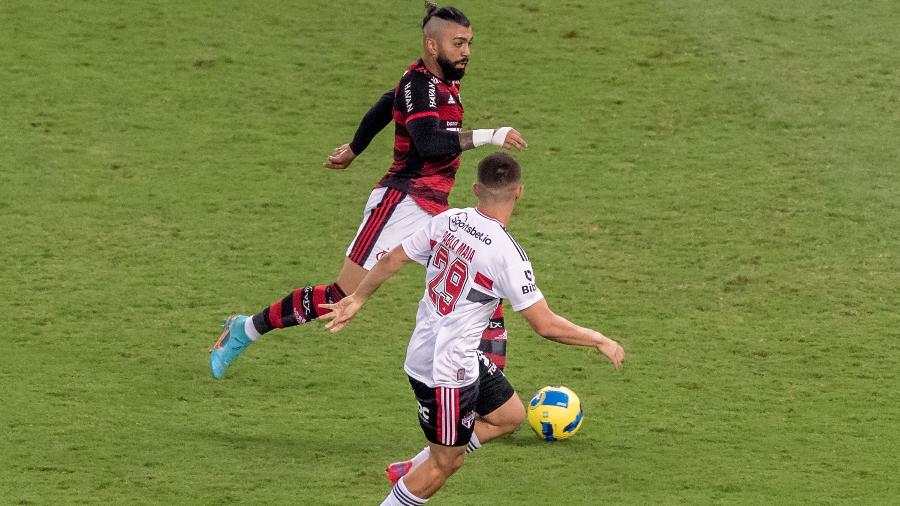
(421, 95)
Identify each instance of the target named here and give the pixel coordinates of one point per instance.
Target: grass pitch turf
(712, 183)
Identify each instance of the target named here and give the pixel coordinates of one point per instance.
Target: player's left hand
(341, 313)
(613, 351)
(340, 158)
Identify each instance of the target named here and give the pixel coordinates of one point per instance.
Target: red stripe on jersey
(436, 182)
(481, 279)
(432, 243)
(425, 114)
(499, 360)
(498, 313)
(450, 112)
(402, 143)
(429, 206)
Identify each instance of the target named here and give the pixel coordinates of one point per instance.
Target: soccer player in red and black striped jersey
(428, 113)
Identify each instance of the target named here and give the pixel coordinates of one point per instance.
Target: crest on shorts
(468, 420)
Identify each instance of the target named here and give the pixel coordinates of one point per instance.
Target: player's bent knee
(518, 416)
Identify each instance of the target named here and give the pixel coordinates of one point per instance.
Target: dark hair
(499, 171)
(446, 13)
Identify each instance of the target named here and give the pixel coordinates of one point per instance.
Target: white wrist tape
(499, 136)
(482, 136)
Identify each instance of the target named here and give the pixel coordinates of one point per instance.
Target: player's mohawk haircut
(446, 13)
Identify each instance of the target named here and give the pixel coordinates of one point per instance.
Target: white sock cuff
(405, 496)
(421, 456)
(474, 443)
(250, 329)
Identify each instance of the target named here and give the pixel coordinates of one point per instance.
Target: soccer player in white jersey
(471, 263)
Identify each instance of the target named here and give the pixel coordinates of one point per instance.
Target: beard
(451, 72)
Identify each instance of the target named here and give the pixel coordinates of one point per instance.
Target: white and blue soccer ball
(555, 413)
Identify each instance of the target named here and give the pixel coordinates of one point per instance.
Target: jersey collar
(488, 217)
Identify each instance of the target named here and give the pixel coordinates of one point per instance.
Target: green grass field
(713, 183)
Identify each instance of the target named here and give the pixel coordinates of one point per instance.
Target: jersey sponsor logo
(495, 325)
(460, 221)
(432, 96)
(407, 96)
(530, 287)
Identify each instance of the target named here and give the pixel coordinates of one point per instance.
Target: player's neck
(432, 65)
(499, 212)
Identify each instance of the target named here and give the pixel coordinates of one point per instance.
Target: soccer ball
(555, 413)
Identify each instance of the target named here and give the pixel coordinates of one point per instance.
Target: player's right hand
(340, 158)
(341, 313)
(514, 140)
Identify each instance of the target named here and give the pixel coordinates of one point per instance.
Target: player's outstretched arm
(504, 137)
(556, 328)
(378, 117)
(344, 310)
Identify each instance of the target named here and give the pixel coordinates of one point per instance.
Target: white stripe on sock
(405, 496)
(474, 443)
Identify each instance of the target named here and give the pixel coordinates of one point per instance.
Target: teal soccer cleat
(230, 344)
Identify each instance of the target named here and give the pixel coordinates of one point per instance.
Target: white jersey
(471, 264)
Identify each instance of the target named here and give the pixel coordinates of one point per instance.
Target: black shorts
(447, 415)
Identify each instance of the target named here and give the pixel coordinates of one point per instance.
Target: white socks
(401, 496)
(250, 329)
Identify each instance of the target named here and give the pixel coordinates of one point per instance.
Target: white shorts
(390, 217)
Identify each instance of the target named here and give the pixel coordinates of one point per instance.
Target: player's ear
(431, 46)
(475, 189)
(519, 191)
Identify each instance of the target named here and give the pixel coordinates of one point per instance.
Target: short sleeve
(417, 97)
(518, 285)
(418, 246)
